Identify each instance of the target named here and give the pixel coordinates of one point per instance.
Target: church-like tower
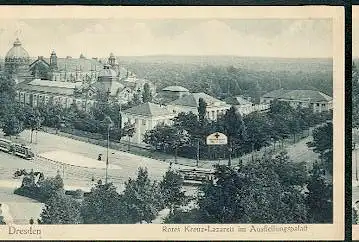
(53, 61)
(112, 60)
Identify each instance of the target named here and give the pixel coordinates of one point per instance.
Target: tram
(6, 145)
(196, 176)
(23, 151)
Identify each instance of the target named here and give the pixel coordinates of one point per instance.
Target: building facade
(68, 80)
(145, 117)
(190, 103)
(315, 100)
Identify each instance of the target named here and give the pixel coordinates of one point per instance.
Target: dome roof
(17, 52)
(175, 89)
(107, 72)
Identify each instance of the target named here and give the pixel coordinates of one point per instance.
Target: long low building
(145, 117)
(315, 100)
(38, 92)
(190, 103)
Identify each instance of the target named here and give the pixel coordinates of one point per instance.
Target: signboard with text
(217, 139)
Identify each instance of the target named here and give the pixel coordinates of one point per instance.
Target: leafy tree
(233, 126)
(323, 144)
(319, 197)
(166, 137)
(50, 186)
(136, 100)
(103, 206)
(146, 94)
(7, 95)
(34, 120)
(254, 193)
(171, 188)
(354, 216)
(141, 198)
(61, 209)
(12, 125)
(258, 130)
(128, 130)
(202, 111)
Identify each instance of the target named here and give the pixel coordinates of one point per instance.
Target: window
(317, 104)
(144, 122)
(323, 104)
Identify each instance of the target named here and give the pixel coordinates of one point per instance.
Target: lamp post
(356, 161)
(109, 124)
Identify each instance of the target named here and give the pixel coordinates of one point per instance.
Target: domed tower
(17, 59)
(112, 60)
(106, 78)
(53, 60)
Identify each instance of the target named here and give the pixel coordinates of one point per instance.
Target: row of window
(34, 99)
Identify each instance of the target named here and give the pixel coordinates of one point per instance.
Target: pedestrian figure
(99, 158)
(31, 221)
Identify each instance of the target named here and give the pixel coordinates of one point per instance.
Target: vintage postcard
(172, 123)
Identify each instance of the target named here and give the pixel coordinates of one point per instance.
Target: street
(75, 177)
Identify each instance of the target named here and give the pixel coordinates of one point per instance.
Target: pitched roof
(192, 100)
(73, 64)
(44, 86)
(237, 100)
(175, 89)
(149, 110)
(314, 96)
(275, 94)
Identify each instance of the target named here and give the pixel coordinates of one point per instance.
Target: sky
(299, 38)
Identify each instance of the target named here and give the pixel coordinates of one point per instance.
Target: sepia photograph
(196, 124)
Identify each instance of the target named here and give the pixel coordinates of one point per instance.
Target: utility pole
(109, 124)
(356, 162)
(197, 153)
(229, 154)
(108, 144)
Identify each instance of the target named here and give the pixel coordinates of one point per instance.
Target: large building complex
(69, 80)
(315, 100)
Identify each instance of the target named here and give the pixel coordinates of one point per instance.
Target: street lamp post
(356, 161)
(108, 144)
(109, 124)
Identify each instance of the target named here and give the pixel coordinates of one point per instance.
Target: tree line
(230, 79)
(14, 117)
(186, 136)
(267, 190)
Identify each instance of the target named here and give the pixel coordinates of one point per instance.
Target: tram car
(6, 145)
(196, 176)
(23, 151)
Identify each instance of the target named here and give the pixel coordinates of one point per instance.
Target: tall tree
(171, 188)
(61, 209)
(141, 198)
(50, 186)
(233, 126)
(34, 121)
(7, 94)
(253, 193)
(103, 206)
(202, 111)
(146, 94)
(319, 196)
(323, 144)
(12, 125)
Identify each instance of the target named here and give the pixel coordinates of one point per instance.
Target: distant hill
(256, 63)
(223, 76)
